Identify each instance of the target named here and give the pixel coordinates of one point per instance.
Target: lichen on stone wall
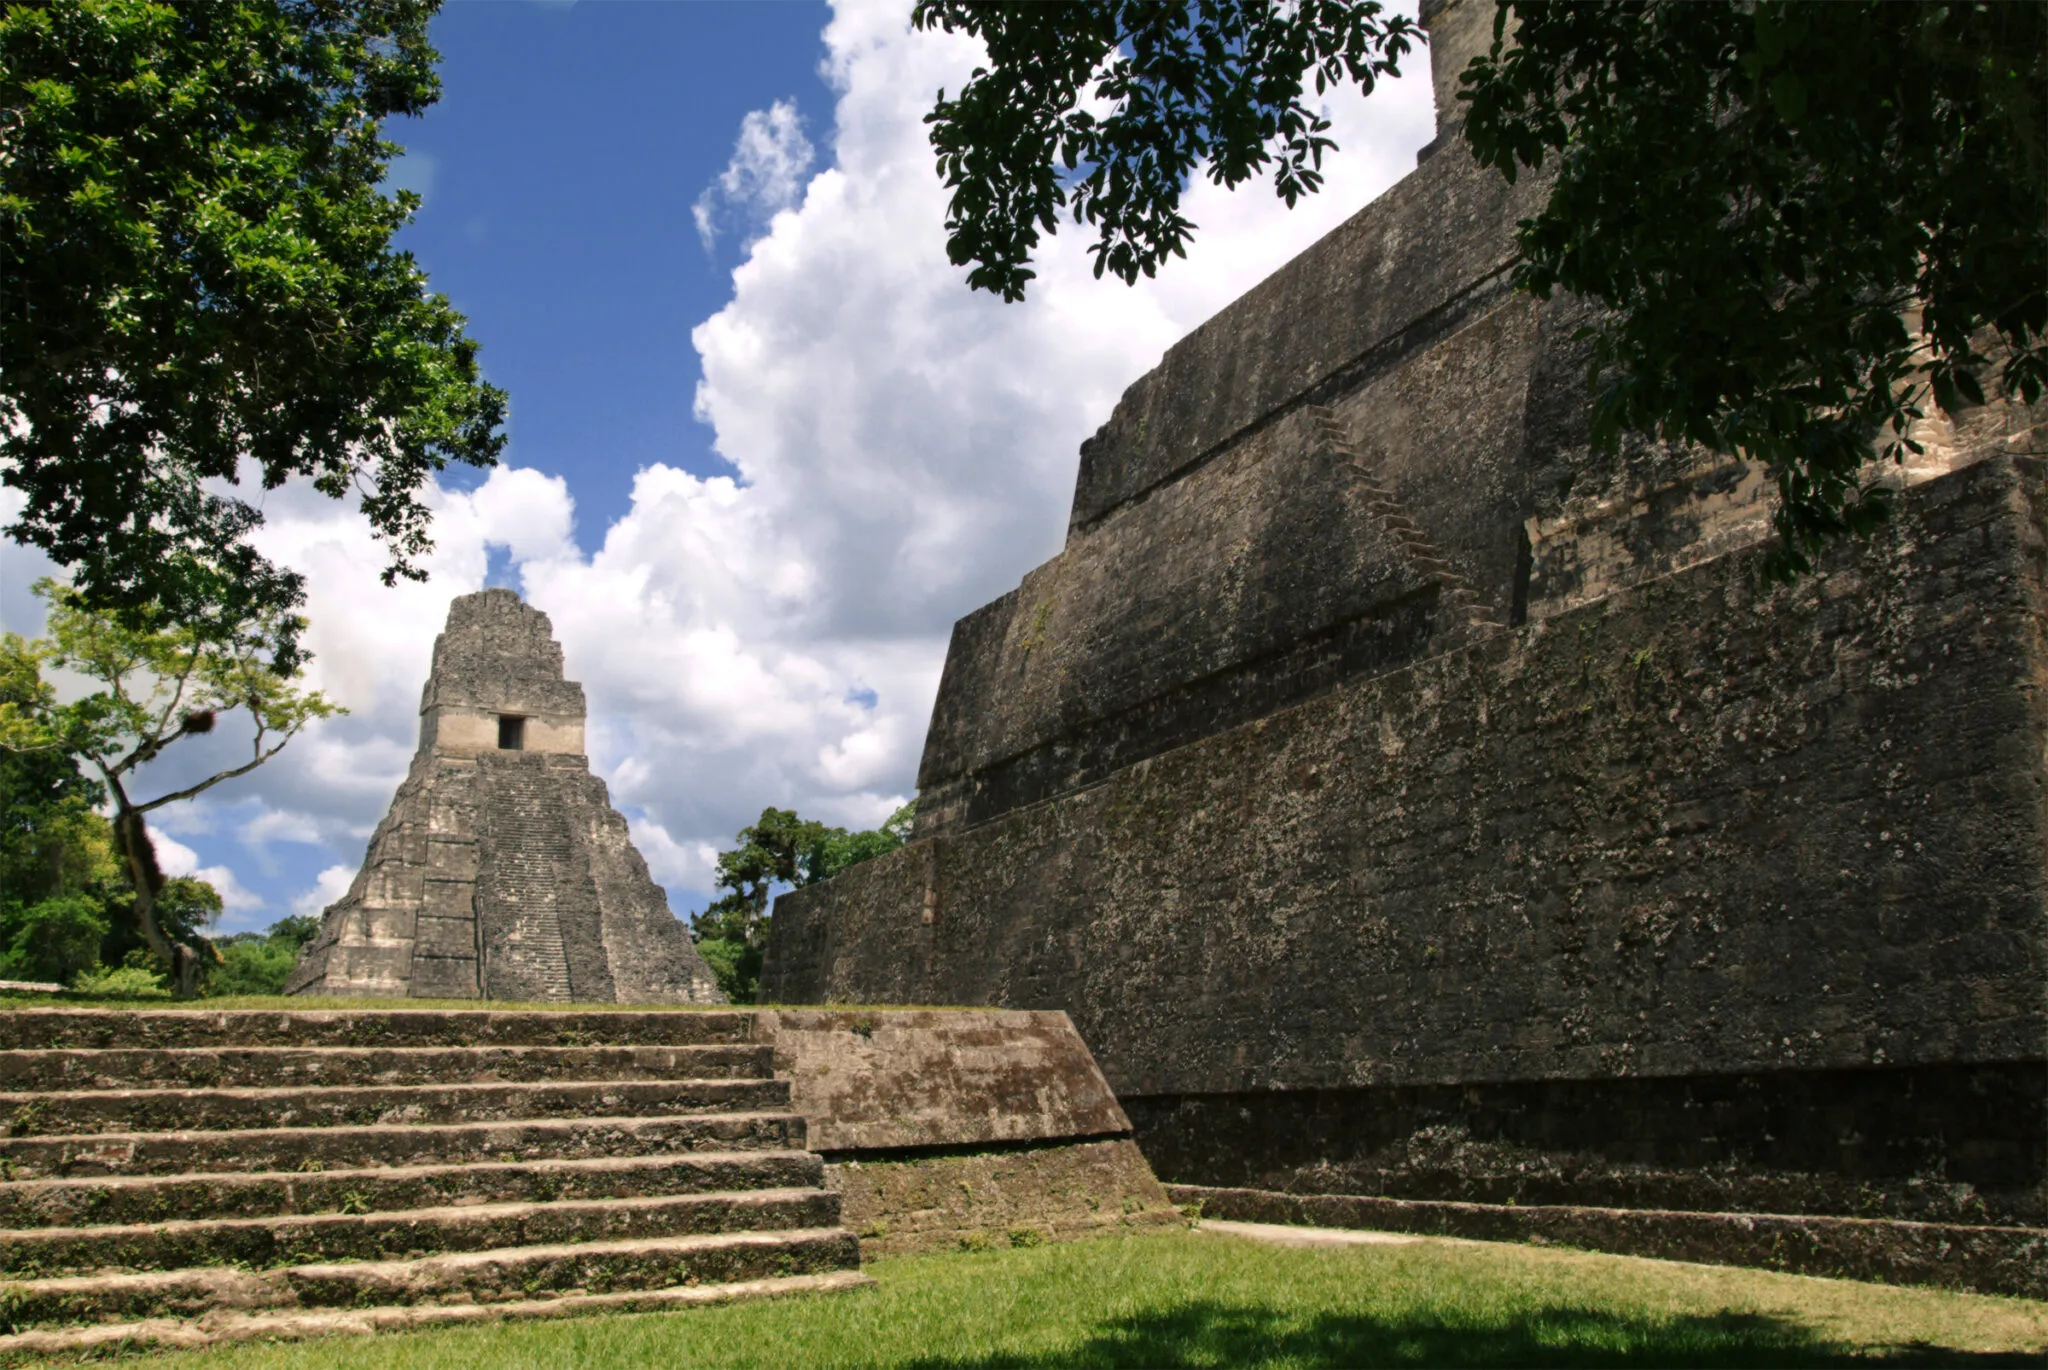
(1504, 776)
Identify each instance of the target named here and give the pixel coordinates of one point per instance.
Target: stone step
(376, 1296)
(595, 1267)
(102, 1200)
(99, 1340)
(111, 1295)
(398, 1144)
(102, 1029)
(263, 1242)
(173, 1177)
(271, 1067)
(151, 1110)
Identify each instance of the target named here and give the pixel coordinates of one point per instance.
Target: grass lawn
(1183, 1298)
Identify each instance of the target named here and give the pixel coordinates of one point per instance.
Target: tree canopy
(261, 962)
(1216, 84)
(1805, 218)
(158, 683)
(1804, 215)
(197, 283)
(67, 909)
(777, 851)
(56, 851)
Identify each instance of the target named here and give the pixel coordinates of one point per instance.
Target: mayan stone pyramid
(502, 870)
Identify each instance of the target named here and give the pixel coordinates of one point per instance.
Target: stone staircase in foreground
(176, 1178)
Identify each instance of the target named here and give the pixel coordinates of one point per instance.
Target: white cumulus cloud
(764, 177)
(330, 886)
(239, 904)
(901, 450)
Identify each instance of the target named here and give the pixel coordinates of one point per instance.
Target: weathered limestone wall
(456, 731)
(503, 873)
(874, 1079)
(962, 1127)
(1224, 560)
(1406, 800)
(1695, 889)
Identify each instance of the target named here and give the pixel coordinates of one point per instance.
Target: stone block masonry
(1411, 803)
(946, 1129)
(178, 1178)
(502, 870)
(346, 1171)
(1694, 898)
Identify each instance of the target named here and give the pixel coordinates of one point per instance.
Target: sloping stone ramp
(182, 1177)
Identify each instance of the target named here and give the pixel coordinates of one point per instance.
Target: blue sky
(755, 473)
(559, 171)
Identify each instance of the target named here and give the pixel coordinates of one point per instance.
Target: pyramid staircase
(1364, 478)
(182, 1177)
(530, 852)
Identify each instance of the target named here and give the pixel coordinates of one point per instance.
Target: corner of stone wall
(1459, 30)
(963, 1129)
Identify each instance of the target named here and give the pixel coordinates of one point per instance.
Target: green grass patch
(1188, 1299)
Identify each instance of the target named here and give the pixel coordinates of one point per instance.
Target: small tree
(159, 682)
(56, 851)
(779, 850)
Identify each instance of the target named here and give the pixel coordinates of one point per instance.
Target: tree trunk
(138, 854)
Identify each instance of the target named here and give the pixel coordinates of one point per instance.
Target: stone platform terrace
(181, 1177)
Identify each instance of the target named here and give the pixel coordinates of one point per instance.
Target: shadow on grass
(1222, 1334)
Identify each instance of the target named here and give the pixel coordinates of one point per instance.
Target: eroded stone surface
(593, 1172)
(1645, 895)
(1016, 1197)
(100, 1030)
(283, 1067)
(502, 870)
(223, 1325)
(102, 1200)
(949, 1128)
(895, 1078)
(1622, 881)
(77, 1112)
(396, 1144)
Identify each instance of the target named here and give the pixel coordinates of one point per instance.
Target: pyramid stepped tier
(178, 1178)
(1430, 811)
(501, 870)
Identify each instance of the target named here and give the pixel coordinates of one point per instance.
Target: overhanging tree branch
(160, 162)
